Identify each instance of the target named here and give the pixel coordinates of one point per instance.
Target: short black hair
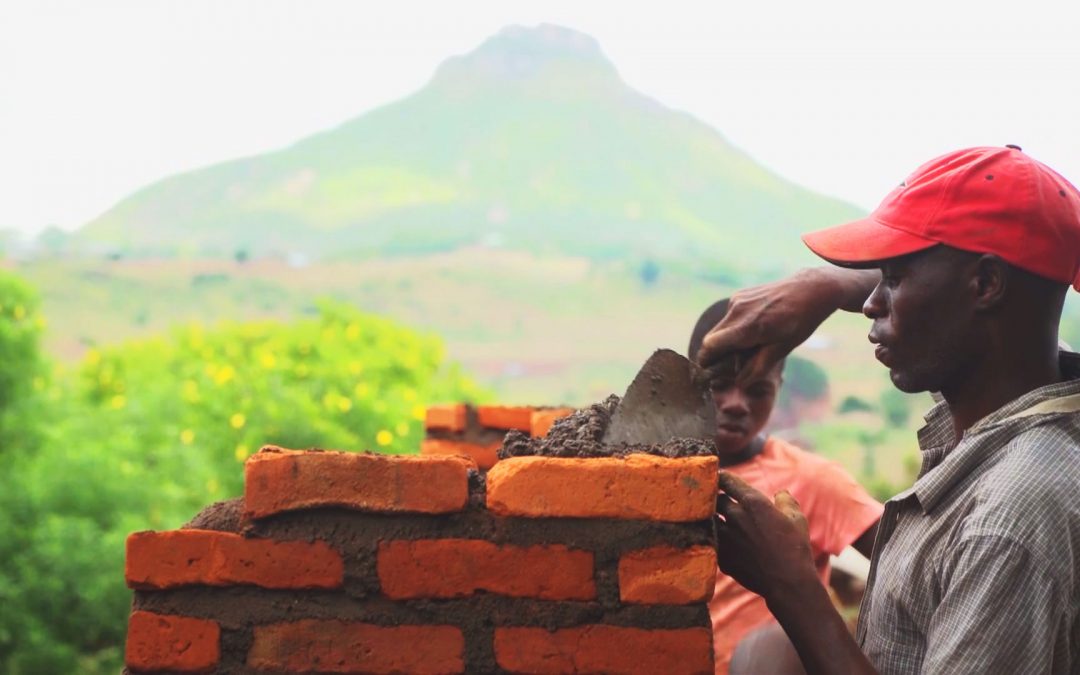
(705, 323)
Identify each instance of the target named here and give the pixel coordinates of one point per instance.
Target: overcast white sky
(100, 98)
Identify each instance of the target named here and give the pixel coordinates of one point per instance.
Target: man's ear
(990, 282)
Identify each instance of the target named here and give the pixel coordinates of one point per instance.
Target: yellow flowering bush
(20, 363)
(143, 434)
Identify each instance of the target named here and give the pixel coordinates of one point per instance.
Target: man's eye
(758, 392)
(891, 279)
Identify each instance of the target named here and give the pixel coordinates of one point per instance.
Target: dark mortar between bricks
(355, 535)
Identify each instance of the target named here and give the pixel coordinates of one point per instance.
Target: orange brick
(604, 649)
(666, 575)
(341, 647)
(176, 643)
(505, 417)
(541, 420)
(640, 487)
(445, 417)
(158, 560)
(485, 456)
(454, 568)
(278, 480)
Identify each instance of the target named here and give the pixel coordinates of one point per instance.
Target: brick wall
(339, 562)
(477, 432)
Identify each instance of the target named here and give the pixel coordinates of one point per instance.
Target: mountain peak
(546, 40)
(520, 53)
(531, 139)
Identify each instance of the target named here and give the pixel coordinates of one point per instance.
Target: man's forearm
(770, 320)
(817, 631)
(850, 287)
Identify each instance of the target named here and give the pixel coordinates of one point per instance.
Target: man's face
(922, 313)
(743, 409)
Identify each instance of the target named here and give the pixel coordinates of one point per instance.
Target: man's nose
(874, 307)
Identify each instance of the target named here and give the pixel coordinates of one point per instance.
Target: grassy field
(537, 330)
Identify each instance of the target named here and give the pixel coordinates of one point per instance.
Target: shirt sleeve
(838, 509)
(1000, 611)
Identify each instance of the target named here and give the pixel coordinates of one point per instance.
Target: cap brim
(863, 243)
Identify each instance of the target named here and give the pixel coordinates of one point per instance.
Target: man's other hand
(762, 544)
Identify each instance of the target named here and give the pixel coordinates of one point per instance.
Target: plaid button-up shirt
(976, 568)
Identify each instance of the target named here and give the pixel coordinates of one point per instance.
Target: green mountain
(531, 141)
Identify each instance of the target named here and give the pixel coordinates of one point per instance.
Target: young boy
(839, 512)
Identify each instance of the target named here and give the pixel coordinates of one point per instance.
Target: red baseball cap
(984, 200)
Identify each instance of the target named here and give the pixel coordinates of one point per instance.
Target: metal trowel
(669, 398)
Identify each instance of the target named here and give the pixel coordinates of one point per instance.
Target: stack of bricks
(477, 432)
(336, 562)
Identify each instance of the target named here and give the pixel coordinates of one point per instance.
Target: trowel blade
(667, 399)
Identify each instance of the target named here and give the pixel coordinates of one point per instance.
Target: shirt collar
(947, 459)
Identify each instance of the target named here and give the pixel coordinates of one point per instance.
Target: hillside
(530, 142)
(534, 330)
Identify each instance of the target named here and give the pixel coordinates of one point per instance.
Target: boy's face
(743, 409)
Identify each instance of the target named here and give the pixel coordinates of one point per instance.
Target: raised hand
(764, 323)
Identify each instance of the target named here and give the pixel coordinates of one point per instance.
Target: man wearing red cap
(963, 270)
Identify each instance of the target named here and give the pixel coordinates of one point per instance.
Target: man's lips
(881, 352)
(731, 428)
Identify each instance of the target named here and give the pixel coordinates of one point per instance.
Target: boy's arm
(766, 548)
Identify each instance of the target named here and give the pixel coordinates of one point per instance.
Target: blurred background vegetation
(143, 434)
(525, 229)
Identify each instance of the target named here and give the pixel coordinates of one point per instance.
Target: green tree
(804, 378)
(144, 434)
(22, 416)
(896, 406)
(854, 404)
(20, 358)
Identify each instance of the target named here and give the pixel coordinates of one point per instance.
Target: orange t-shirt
(838, 510)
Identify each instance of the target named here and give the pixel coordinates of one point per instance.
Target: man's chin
(908, 383)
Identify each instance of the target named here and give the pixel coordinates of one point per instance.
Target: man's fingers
(789, 506)
(726, 368)
(743, 365)
(786, 502)
(723, 341)
(737, 488)
(760, 363)
(723, 503)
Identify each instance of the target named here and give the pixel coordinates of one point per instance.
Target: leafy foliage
(896, 406)
(853, 403)
(882, 489)
(804, 378)
(20, 360)
(142, 435)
